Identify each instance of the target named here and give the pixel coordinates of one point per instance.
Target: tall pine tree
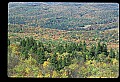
(84, 46)
(98, 49)
(112, 53)
(104, 49)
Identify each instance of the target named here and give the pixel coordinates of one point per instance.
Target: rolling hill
(64, 15)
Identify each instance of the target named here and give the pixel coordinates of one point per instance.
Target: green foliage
(65, 19)
(92, 51)
(41, 54)
(69, 59)
(112, 53)
(79, 49)
(23, 43)
(84, 46)
(99, 48)
(101, 57)
(26, 68)
(104, 49)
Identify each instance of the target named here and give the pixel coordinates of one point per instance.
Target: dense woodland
(63, 40)
(64, 15)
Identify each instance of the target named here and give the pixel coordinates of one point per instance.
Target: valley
(63, 40)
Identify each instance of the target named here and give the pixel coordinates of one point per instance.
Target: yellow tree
(64, 74)
(47, 68)
(55, 74)
(40, 75)
(26, 68)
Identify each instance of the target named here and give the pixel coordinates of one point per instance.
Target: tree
(63, 63)
(46, 64)
(34, 48)
(104, 49)
(101, 57)
(92, 51)
(32, 42)
(65, 47)
(12, 61)
(40, 44)
(73, 46)
(29, 43)
(117, 55)
(25, 53)
(98, 49)
(64, 74)
(84, 46)
(74, 70)
(53, 60)
(60, 48)
(40, 75)
(74, 54)
(67, 60)
(55, 74)
(79, 47)
(48, 48)
(23, 43)
(41, 54)
(68, 47)
(112, 53)
(26, 68)
(59, 64)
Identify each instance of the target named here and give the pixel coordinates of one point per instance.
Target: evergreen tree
(23, 43)
(74, 46)
(84, 46)
(74, 54)
(34, 48)
(60, 48)
(41, 54)
(79, 47)
(40, 44)
(67, 60)
(48, 49)
(112, 53)
(31, 42)
(25, 53)
(71, 47)
(53, 60)
(68, 47)
(104, 49)
(98, 49)
(28, 43)
(92, 51)
(59, 64)
(63, 63)
(117, 55)
(84, 55)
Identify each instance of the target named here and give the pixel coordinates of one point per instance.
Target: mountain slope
(62, 15)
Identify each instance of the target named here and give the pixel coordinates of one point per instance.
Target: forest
(63, 40)
(65, 59)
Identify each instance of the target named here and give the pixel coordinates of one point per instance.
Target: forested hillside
(63, 40)
(65, 16)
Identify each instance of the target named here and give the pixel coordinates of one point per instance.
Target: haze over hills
(64, 15)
